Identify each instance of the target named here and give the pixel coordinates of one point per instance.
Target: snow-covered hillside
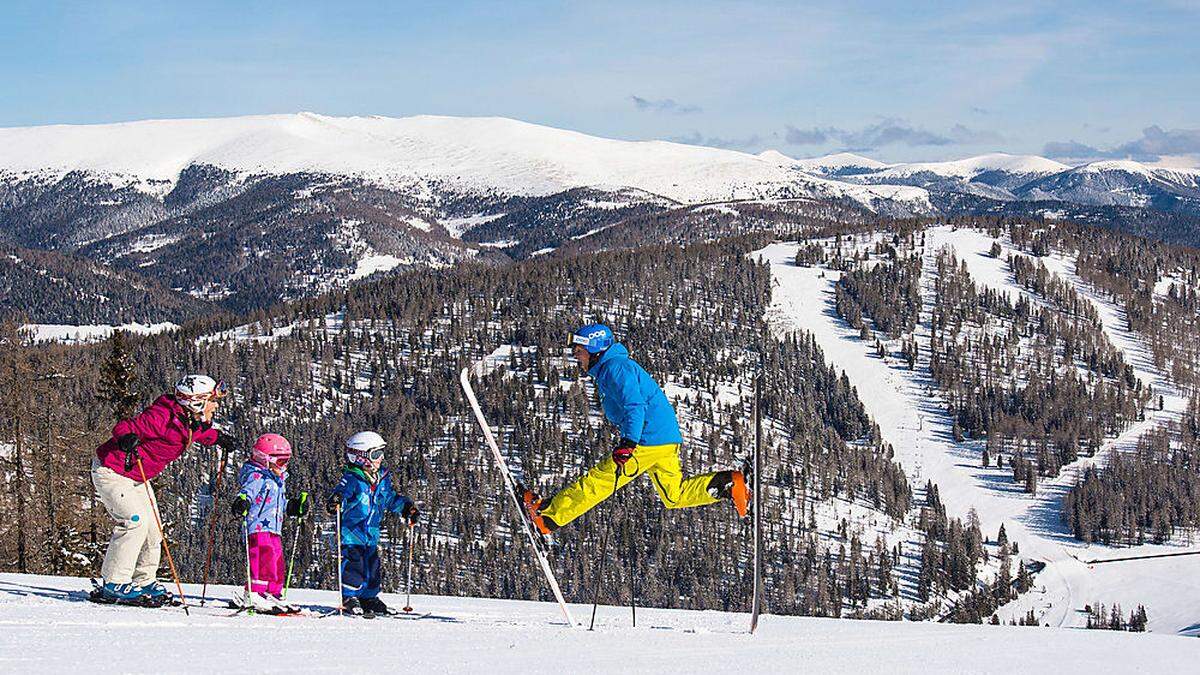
(49, 627)
(1006, 177)
(917, 425)
(487, 154)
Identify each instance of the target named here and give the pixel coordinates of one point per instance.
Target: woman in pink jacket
(139, 450)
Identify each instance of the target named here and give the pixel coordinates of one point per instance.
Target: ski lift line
(1140, 557)
(509, 487)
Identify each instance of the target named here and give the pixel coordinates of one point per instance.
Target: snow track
(45, 626)
(911, 417)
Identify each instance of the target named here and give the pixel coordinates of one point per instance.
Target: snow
(840, 160)
(488, 154)
(419, 223)
(973, 166)
(71, 334)
(506, 243)
(1122, 165)
(371, 264)
(152, 242)
(459, 226)
(48, 627)
(776, 157)
(1162, 287)
(919, 430)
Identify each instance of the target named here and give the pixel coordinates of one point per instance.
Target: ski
(756, 514)
(539, 546)
(97, 596)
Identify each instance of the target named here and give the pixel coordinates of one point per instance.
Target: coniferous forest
(1035, 381)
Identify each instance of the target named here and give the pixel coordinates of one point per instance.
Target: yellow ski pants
(660, 461)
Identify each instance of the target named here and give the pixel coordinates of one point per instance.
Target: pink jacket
(164, 433)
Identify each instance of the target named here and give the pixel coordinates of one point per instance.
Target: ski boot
(286, 607)
(156, 592)
(114, 594)
(375, 606)
(731, 485)
(258, 603)
(352, 606)
(532, 505)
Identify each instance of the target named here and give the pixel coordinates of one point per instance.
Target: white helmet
(365, 448)
(195, 391)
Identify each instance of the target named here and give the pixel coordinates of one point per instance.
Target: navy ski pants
(361, 575)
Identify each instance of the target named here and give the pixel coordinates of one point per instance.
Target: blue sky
(931, 81)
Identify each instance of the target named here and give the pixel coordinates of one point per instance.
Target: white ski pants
(136, 545)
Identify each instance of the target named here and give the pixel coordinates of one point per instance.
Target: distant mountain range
(1021, 177)
(248, 211)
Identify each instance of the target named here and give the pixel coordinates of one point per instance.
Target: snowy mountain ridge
(245, 212)
(488, 153)
(511, 157)
(1031, 178)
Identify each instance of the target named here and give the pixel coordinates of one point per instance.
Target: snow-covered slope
(830, 165)
(973, 166)
(1122, 183)
(914, 421)
(1005, 177)
(485, 153)
(48, 627)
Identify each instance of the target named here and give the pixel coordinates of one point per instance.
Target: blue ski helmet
(594, 337)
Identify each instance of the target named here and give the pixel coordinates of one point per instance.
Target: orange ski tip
(740, 494)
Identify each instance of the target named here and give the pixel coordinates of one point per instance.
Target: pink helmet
(271, 449)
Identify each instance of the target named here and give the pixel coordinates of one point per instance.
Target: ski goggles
(219, 392)
(374, 454)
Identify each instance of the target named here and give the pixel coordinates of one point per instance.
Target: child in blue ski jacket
(364, 494)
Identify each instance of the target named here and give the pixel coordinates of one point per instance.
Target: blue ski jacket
(364, 504)
(633, 401)
(268, 502)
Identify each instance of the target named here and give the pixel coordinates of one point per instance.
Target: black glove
(128, 444)
(411, 513)
(240, 506)
(298, 506)
(623, 452)
(331, 507)
(226, 442)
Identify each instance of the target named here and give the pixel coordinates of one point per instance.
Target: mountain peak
(1123, 165)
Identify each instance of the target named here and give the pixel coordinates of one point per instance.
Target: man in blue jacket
(650, 440)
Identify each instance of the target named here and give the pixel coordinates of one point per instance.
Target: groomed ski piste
(919, 429)
(47, 626)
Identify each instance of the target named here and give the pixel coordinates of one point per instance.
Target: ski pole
(292, 560)
(632, 559)
(166, 547)
(603, 555)
(249, 577)
(408, 584)
(212, 528)
(338, 522)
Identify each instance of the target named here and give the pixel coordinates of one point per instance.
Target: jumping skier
(263, 503)
(139, 449)
(363, 495)
(650, 440)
